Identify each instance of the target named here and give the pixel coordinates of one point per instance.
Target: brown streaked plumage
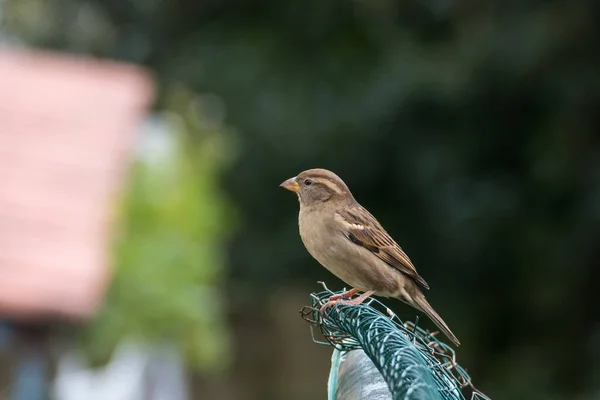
(347, 240)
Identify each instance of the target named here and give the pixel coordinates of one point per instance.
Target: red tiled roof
(67, 127)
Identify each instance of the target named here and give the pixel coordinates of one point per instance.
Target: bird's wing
(364, 230)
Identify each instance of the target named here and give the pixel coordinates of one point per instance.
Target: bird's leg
(352, 302)
(347, 294)
(357, 301)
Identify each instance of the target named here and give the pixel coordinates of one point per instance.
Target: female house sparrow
(347, 240)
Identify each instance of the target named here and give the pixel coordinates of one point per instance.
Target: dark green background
(469, 128)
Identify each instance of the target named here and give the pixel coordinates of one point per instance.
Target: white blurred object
(157, 145)
(353, 376)
(136, 372)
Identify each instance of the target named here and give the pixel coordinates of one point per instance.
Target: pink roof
(67, 129)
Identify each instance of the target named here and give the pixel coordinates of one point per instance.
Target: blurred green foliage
(170, 253)
(470, 129)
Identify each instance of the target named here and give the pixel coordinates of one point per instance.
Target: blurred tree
(170, 253)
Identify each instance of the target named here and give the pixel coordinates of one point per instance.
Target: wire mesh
(414, 362)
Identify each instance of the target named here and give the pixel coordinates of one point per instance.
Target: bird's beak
(291, 185)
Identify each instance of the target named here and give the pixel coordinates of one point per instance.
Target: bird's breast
(320, 238)
(354, 265)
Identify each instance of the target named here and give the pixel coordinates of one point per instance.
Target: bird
(348, 240)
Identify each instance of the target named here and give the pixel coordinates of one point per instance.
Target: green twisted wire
(413, 362)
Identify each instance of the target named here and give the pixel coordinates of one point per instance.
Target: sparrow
(348, 241)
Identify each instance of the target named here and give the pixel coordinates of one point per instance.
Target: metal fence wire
(415, 363)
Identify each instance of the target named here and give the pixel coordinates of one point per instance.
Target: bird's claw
(347, 302)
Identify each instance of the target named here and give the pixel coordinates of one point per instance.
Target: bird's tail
(423, 305)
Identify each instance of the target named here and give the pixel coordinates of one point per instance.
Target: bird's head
(316, 186)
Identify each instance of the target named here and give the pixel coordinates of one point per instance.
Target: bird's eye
(308, 182)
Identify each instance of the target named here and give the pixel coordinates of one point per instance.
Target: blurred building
(67, 130)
